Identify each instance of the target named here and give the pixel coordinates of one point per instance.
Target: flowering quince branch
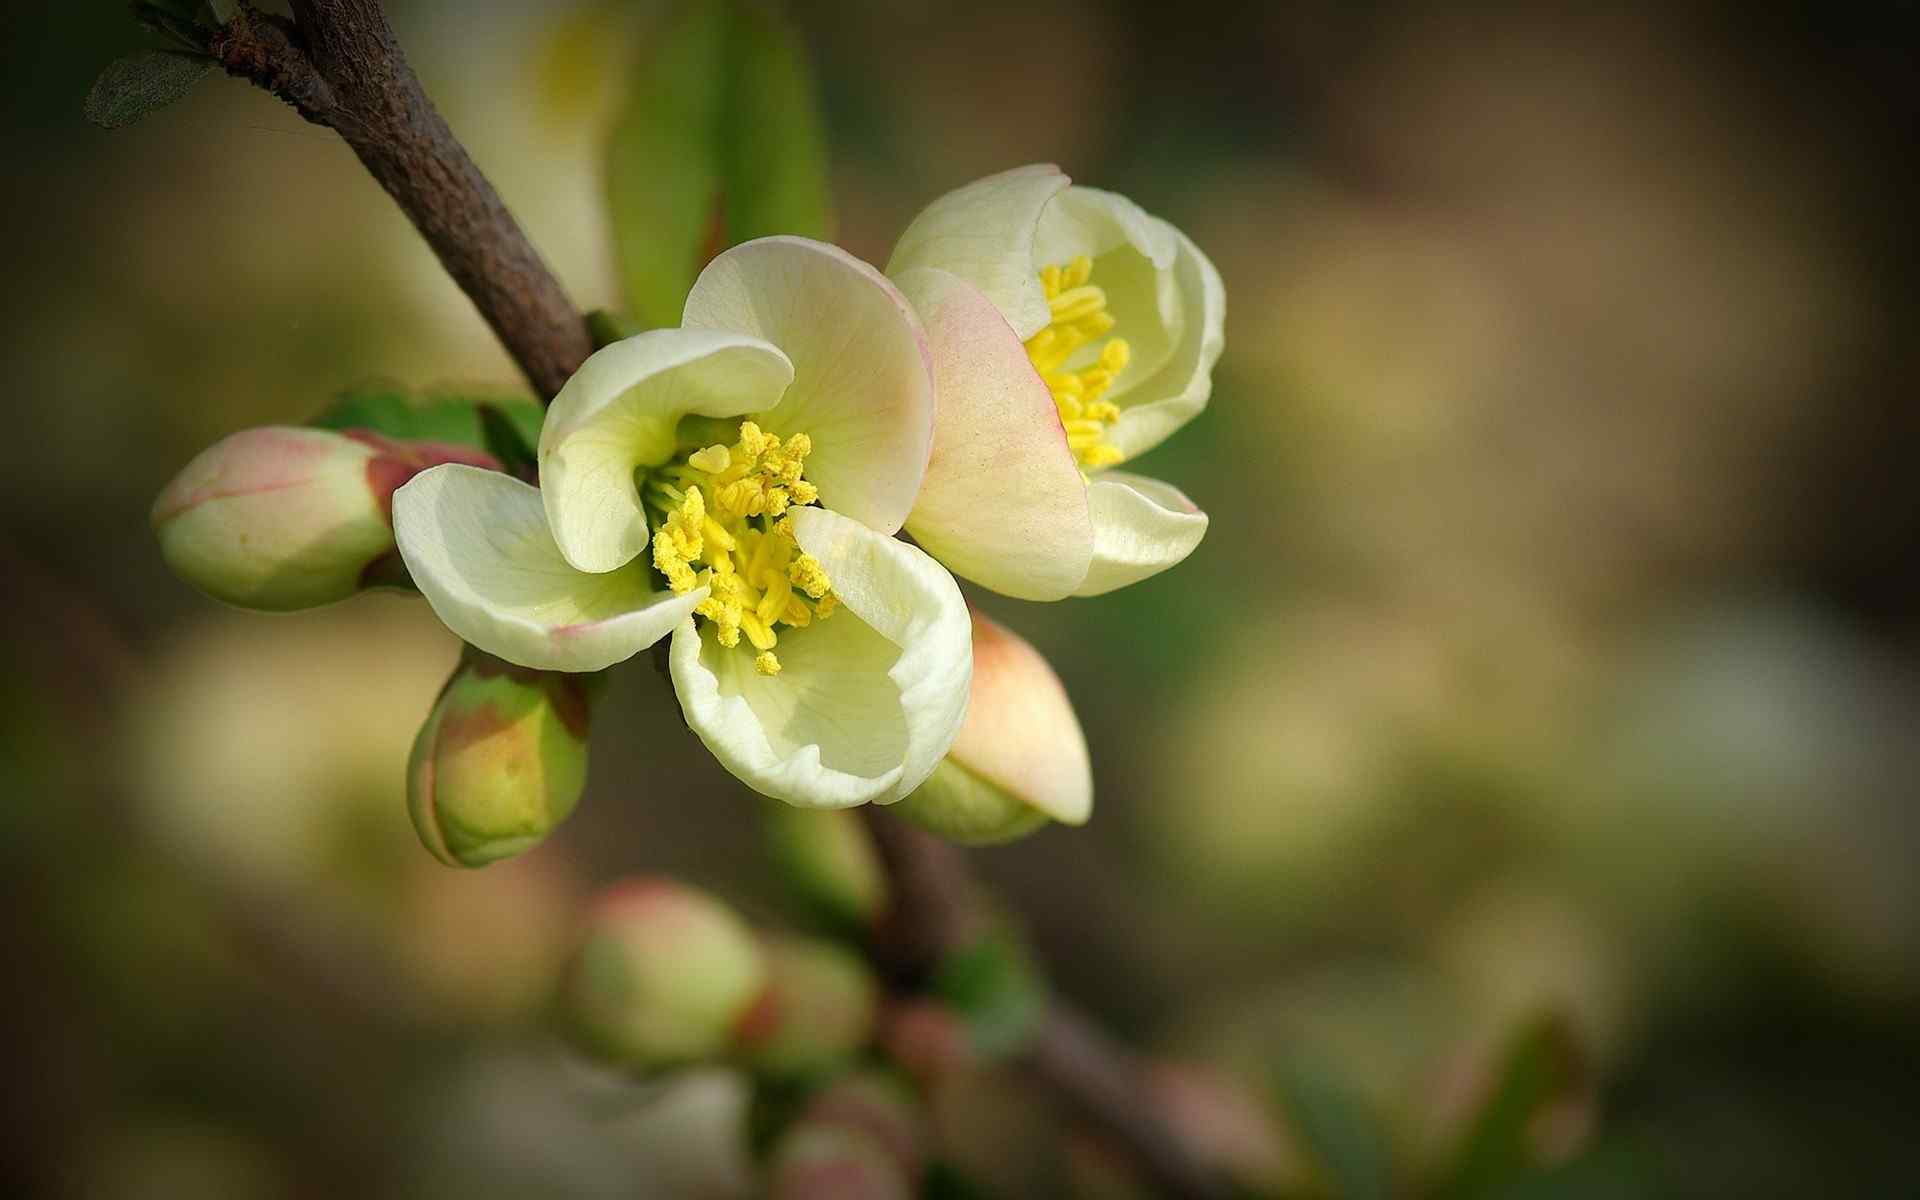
(758, 460)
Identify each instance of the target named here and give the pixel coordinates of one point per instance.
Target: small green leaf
(607, 327)
(773, 152)
(995, 988)
(444, 417)
(662, 173)
(220, 10)
(507, 444)
(1347, 1139)
(720, 141)
(136, 85)
(1541, 1073)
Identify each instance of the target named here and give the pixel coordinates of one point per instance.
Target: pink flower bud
(833, 1162)
(663, 976)
(815, 1011)
(500, 762)
(1020, 759)
(283, 518)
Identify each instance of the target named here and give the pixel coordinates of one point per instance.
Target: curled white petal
(477, 545)
(1003, 503)
(984, 233)
(1141, 527)
(619, 411)
(1153, 407)
(866, 702)
(862, 385)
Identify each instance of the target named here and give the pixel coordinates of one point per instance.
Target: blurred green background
(1551, 656)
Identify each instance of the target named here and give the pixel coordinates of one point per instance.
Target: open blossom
(1070, 332)
(734, 483)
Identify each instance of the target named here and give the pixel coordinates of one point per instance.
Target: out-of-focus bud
(882, 1106)
(1020, 759)
(500, 762)
(816, 1010)
(663, 976)
(283, 518)
(926, 1039)
(827, 859)
(1229, 1128)
(833, 1162)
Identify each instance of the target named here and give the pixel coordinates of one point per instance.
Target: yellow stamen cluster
(723, 511)
(1080, 319)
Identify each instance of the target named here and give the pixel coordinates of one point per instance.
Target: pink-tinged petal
(478, 547)
(1003, 503)
(984, 233)
(1021, 733)
(278, 518)
(1141, 527)
(619, 412)
(862, 384)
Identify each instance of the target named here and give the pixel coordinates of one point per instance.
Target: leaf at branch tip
(994, 986)
(719, 142)
(445, 417)
(507, 444)
(136, 85)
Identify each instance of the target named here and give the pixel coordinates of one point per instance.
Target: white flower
(1070, 332)
(766, 452)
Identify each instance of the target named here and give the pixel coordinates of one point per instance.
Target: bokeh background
(1551, 657)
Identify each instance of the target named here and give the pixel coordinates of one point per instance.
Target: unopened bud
(283, 518)
(816, 1010)
(833, 1162)
(827, 858)
(880, 1105)
(663, 976)
(500, 762)
(1020, 759)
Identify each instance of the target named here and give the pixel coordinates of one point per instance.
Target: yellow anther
(723, 508)
(1078, 318)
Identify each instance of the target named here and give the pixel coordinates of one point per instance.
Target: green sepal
(450, 417)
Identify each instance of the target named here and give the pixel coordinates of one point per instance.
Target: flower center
(1080, 321)
(718, 517)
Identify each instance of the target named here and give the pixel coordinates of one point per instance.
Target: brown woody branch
(338, 64)
(934, 910)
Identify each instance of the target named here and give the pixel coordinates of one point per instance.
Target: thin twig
(338, 64)
(934, 909)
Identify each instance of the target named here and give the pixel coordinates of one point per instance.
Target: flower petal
(1021, 733)
(866, 702)
(478, 547)
(862, 383)
(1152, 407)
(1141, 527)
(618, 412)
(1003, 503)
(984, 233)
(1133, 258)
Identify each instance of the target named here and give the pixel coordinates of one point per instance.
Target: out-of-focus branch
(934, 909)
(338, 64)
